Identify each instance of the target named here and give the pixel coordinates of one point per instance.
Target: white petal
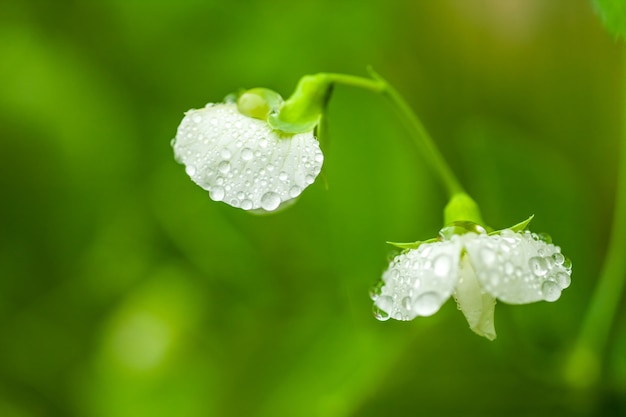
(518, 268)
(242, 161)
(419, 281)
(477, 306)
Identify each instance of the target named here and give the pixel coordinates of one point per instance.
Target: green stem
(584, 366)
(418, 133)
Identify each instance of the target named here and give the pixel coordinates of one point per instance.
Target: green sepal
(302, 111)
(516, 228)
(613, 15)
(411, 245)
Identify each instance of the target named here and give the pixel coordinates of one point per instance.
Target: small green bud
(259, 103)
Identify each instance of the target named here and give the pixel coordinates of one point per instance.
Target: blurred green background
(126, 291)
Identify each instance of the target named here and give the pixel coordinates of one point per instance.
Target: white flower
(477, 269)
(242, 161)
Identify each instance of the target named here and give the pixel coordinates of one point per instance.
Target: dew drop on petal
(196, 118)
(295, 191)
(310, 179)
(270, 201)
(563, 279)
(380, 315)
(558, 258)
(567, 264)
(217, 193)
(190, 170)
(538, 266)
(225, 153)
(442, 265)
(382, 307)
(550, 290)
(246, 204)
(247, 154)
(376, 290)
(544, 237)
(224, 167)
(426, 304)
(283, 176)
(407, 303)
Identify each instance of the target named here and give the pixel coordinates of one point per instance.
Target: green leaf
(412, 245)
(613, 15)
(518, 227)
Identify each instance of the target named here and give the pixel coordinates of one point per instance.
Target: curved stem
(584, 366)
(418, 133)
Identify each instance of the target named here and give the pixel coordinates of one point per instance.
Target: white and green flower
(241, 160)
(476, 268)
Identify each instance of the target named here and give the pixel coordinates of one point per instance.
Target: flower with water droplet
(513, 265)
(230, 150)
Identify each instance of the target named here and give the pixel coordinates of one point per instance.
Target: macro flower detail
(476, 268)
(242, 161)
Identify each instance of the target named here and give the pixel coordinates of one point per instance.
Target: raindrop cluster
(514, 267)
(418, 281)
(242, 161)
(519, 268)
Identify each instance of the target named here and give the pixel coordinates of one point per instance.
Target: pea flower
(230, 150)
(476, 268)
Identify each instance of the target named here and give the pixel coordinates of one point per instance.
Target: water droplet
(550, 290)
(544, 237)
(310, 179)
(263, 143)
(247, 154)
(217, 193)
(426, 304)
(394, 274)
(442, 265)
(563, 279)
(380, 315)
(224, 167)
(196, 118)
(283, 176)
(538, 266)
(319, 157)
(246, 204)
(460, 228)
(508, 268)
(567, 264)
(270, 167)
(407, 303)
(190, 170)
(225, 153)
(294, 191)
(488, 256)
(270, 201)
(376, 290)
(558, 258)
(382, 306)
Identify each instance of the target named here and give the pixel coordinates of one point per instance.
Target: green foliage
(613, 15)
(124, 290)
